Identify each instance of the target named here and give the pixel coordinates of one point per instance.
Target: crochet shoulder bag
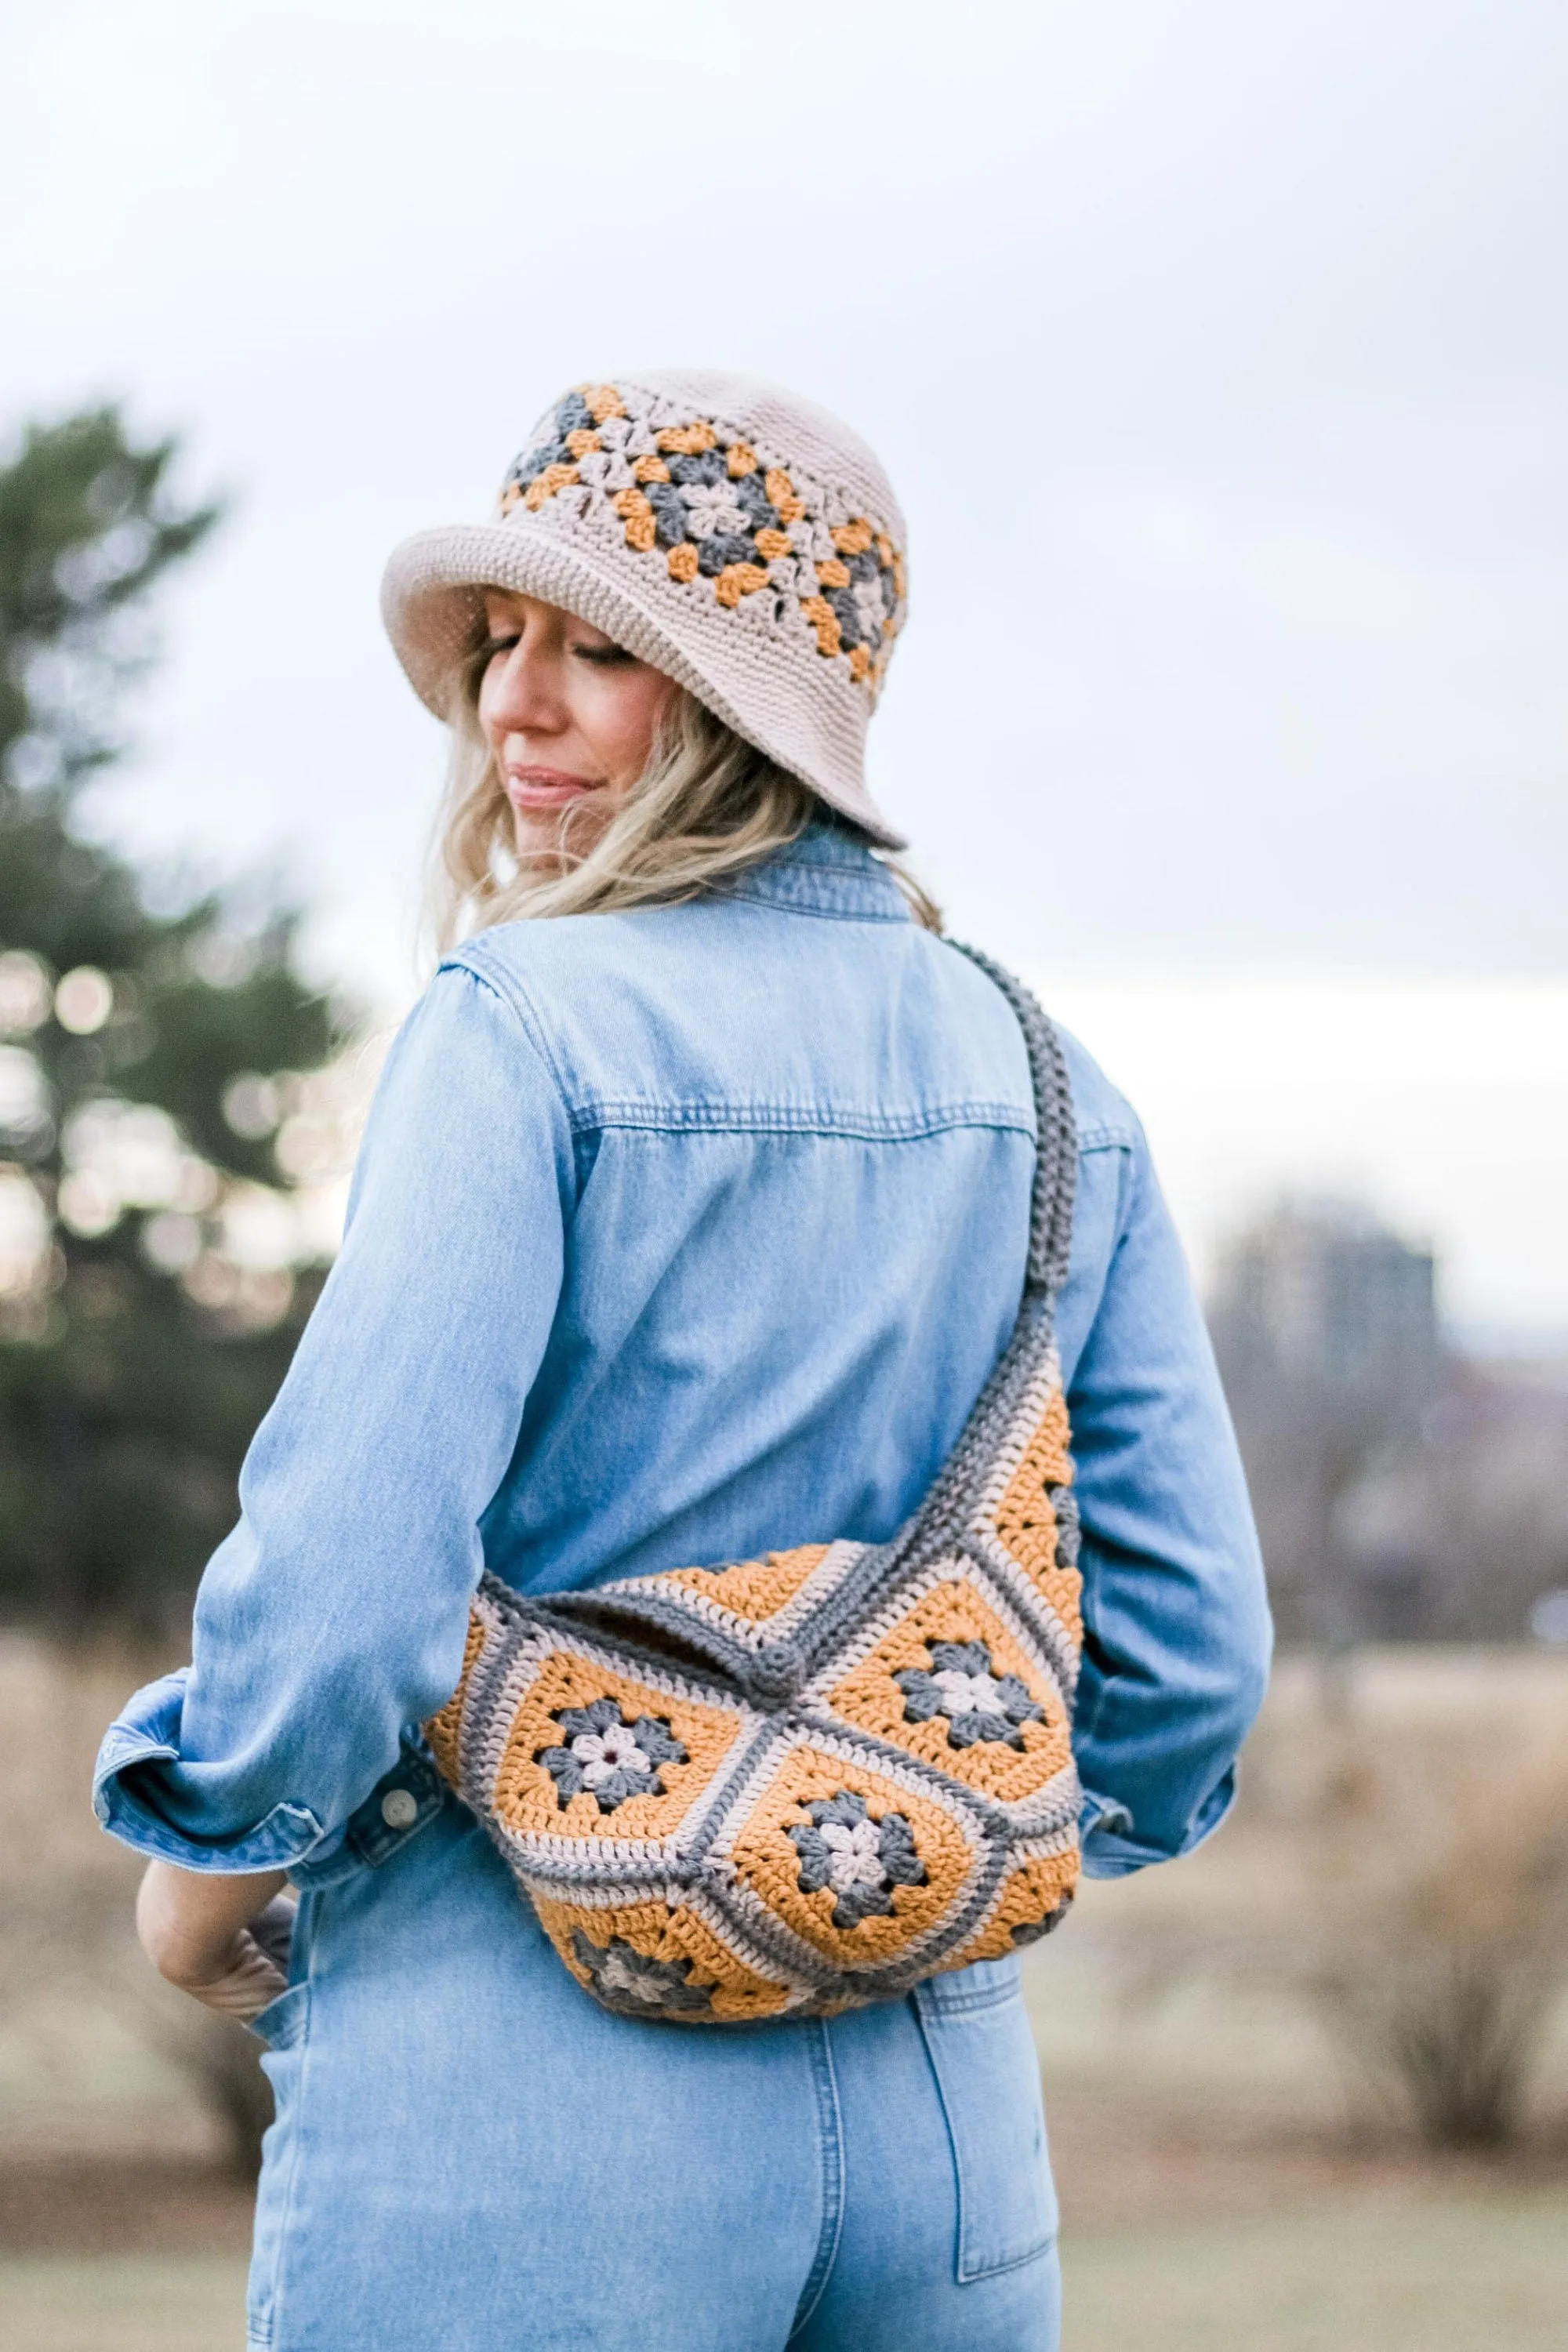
(799, 1784)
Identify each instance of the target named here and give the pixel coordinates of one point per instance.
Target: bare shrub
(1456, 2032)
(1396, 1871)
(1437, 1853)
(1444, 1989)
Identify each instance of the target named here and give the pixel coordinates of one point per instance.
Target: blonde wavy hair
(707, 805)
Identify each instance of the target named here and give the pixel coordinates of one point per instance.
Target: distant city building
(1324, 1293)
(1402, 1493)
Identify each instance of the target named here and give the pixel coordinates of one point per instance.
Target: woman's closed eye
(503, 636)
(606, 656)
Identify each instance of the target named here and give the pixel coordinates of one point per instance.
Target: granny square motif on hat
(738, 538)
(721, 518)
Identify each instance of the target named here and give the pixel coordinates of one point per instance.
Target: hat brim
(431, 597)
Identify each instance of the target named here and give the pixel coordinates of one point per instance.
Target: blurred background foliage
(166, 1119)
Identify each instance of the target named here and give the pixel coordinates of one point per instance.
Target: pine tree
(156, 1095)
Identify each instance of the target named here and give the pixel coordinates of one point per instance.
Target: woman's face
(569, 717)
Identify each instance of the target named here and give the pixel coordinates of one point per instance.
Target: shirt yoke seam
(824, 914)
(786, 1119)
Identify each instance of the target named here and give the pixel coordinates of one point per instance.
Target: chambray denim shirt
(679, 1236)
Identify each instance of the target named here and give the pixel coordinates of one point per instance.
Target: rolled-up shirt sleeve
(334, 1615)
(1177, 1636)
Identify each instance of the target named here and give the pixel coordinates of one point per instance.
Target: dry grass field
(123, 2303)
(1482, 2273)
(1239, 2162)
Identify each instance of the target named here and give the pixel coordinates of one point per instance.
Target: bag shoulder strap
(1056, 1151)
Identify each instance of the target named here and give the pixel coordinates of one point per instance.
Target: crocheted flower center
(627, 1978)
(853, 1855)
(602, 1754)
(862, 1859)
(606, 1756)
(969, 1694)
(963, 1686)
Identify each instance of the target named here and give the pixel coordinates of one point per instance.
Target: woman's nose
(526, 699)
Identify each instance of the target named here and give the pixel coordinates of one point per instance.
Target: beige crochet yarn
(739, 538)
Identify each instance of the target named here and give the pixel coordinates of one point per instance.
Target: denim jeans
(471, 2156)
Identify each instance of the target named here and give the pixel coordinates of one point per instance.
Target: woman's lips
(541, 789)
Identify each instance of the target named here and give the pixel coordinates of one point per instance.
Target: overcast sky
(1219, 353)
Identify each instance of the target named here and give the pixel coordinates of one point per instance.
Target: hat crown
(796, 429)
(721, 479)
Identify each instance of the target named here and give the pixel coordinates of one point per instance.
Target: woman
(688, 1224)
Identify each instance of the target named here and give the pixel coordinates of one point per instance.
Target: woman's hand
(217, 1935)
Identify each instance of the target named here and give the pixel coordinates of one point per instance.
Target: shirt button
(400, 1809)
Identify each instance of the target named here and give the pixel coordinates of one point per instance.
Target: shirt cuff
(132, 1763)
(1110, 1850)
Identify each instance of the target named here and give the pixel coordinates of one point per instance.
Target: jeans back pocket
(981, 2052)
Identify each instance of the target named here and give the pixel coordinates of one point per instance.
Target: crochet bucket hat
(738, 538)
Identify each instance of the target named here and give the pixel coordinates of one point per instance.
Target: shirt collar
(825, 872)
